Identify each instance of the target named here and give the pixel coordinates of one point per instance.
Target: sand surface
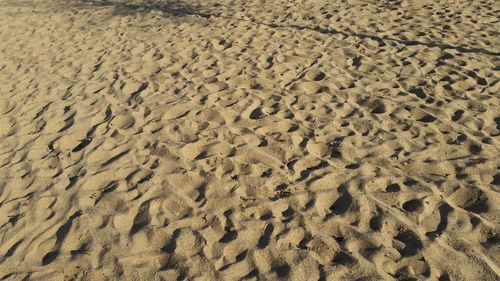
(249, 140)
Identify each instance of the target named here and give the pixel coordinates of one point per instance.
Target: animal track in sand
(315, 75)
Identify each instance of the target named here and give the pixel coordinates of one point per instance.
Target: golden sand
(249, 140)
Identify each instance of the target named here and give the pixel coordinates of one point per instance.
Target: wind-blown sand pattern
(249, 140)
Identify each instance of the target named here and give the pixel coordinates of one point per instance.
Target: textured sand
(255, 140)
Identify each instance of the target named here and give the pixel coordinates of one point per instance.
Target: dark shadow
(385, 39)
(282, 271)
(266, 237)
(444, 211)
(412, 244)
(124, 7)
(342, 204)
(181, 8)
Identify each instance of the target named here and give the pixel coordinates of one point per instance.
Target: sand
(249, 140)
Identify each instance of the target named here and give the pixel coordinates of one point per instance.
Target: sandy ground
(254, 140)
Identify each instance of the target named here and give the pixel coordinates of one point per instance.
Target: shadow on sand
(179, 8)
(124, 7)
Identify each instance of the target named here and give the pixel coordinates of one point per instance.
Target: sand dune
(249, 140)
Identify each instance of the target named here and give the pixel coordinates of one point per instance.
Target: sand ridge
(249, 140)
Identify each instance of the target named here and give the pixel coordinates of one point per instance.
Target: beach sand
(249, 140)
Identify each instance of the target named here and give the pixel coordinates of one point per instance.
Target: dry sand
(255, 140)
